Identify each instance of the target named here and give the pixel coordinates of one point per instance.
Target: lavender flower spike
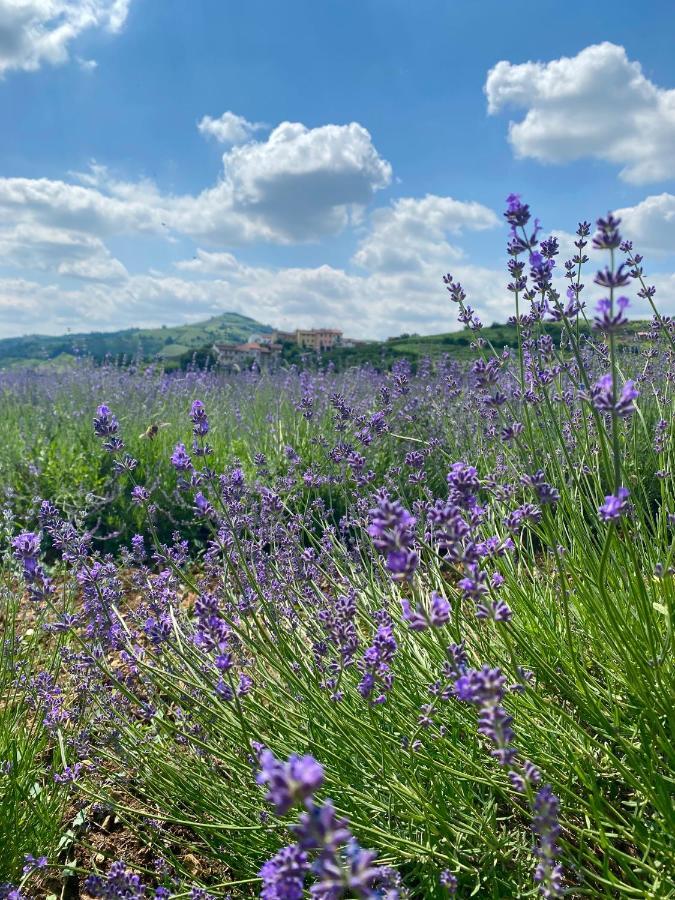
(289, 782)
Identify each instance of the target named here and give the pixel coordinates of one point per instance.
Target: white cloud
(205, 263)
(597, 104)
(411, 234)
(58, 251)
(363, 305)
(229, 128)
(87, 65)
(650, 224)
(303, 183)
(298, 185)
(33, 32)
(63, 205)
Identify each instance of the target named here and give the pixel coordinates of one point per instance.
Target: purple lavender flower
(601, 396)
(485, 689)
(391, 528)
(9, 892)
(517, 214)
(289, 782)
(517, 518)
(320, 827)
(180, 459)
(496, 609)
(610, 318)
(546, 494)
(31, 863)
(26, 547)
(463, 483)
(541, 270)
(607, 236)
(119, 884)
(435, 614)
(105, 423)
(448, 881)
(348, 873)
(69, 775)
(480, 686)
(139, 495)
(615, 505)
(376, 663)
(546, 827)
(199, 419)
(606, 278)
(342, 868)
(284, 875)
(528, 775)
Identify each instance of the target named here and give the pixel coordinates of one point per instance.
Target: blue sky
(314, 163)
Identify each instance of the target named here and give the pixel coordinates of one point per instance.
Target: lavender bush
(432, 609)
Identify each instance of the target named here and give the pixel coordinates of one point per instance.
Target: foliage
(431, 608)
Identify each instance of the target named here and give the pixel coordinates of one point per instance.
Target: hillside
(457, 344)
(166, 343)
(176, 346)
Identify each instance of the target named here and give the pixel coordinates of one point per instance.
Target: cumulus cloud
(364, 305)
(61, 204)
(300, 184)
(650, 224)
(58, 251)
(33, 32)
(376, 297)
(411, 234)
(596, 104)
(229, 128)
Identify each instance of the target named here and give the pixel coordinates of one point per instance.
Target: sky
(318, 162)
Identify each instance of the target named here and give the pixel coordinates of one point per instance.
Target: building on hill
(243, 356)
(316, 339)
(283, 337)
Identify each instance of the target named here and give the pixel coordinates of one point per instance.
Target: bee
(152, 430)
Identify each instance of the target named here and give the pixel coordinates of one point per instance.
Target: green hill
(176, 346)
(459, 345)
(165, 343)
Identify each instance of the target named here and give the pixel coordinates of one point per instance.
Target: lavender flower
(607, 237)
(376, 663)
(391, 528)
(31, 863)
(485, 688)
(284, 875)
(610, 318)
(199, 419)
(180, 459)
(105, 423)
(601, 396)
(615, 505)
(342, 868)
(119, 883)
(291, 782)
(548, 873)
(26, 547)
(517, 214)
(436, 614)
(448, 881)
(9, 892)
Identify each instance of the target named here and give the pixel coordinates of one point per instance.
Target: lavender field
(399, 633)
